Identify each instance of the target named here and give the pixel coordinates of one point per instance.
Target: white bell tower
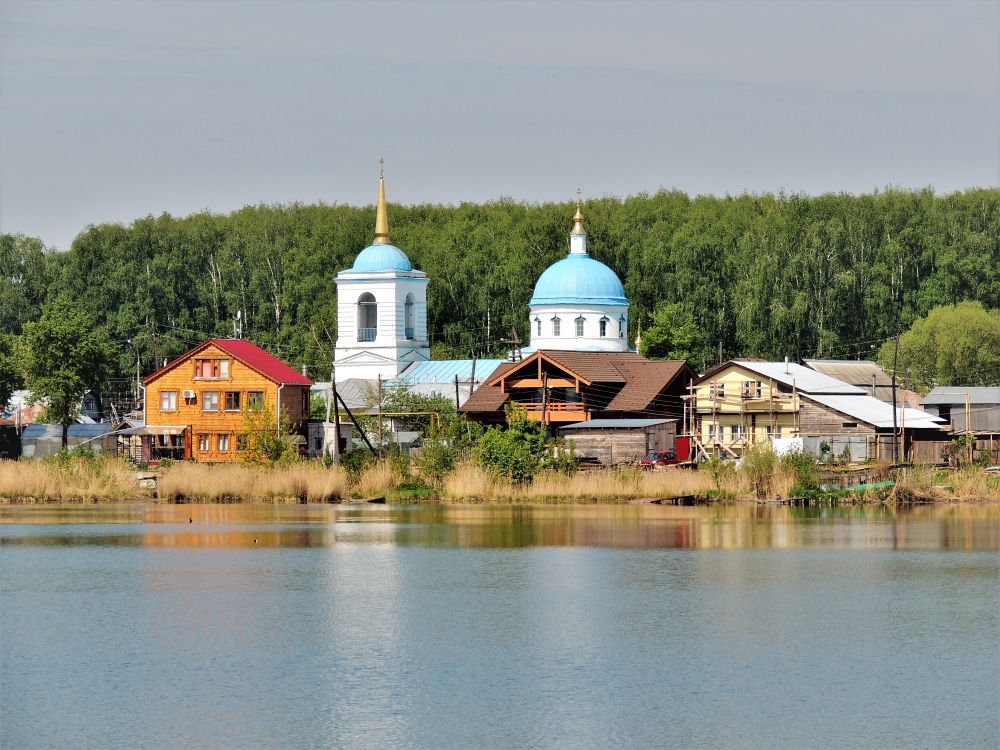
(381, 309)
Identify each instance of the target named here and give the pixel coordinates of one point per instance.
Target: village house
(562, 387)
(194, 406)
(745, 401)
(967, 410)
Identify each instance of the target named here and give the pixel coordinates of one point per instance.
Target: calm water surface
(499, 627)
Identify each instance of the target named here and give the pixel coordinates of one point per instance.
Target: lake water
(499, 627)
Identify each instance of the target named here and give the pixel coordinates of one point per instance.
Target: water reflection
(966, 527)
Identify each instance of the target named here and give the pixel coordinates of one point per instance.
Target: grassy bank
(91, 479)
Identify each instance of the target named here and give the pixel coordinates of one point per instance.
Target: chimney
(304, 369)
(873, 386)
(786, 367)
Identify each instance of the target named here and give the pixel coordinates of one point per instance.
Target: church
(577, 367)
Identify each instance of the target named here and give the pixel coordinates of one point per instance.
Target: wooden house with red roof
(563, 387)
(194, 405)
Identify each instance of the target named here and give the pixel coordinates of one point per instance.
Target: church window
(408, 317)
(367, 317)
(621, 327)
(603, 327)
(538, 326)
(579, 325)
(555, 326)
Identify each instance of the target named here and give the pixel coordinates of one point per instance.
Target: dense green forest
(765, 275)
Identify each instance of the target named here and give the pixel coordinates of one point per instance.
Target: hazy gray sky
(112, 111)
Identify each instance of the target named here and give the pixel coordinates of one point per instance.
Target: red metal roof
(249, 354)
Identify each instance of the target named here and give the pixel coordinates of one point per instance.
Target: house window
(849, 425)
(408, 317)
(168, 400)
(735, 432)
(203, 443)
(211, 368)
(717, 390)
(751, 389)
(538, 326)
(555, 326)
(210, 401)
(223, 443)
(241, 441)
(232, 400)
(367, 317)
(255, 400)
(711, 432)
(768, 431)
(579, 325)
(603, 327)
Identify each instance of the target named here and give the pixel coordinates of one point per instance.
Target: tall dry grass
(470, 483)
(923, 483)
(98, 478)
(378, 479)
(310, 482)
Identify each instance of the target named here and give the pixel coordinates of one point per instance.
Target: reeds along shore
(107, 479)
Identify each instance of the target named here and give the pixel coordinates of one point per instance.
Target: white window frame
(205, 400)
(222, 442)
(556, 326)
(580, 322)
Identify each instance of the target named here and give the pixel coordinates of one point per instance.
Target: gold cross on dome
(381, 166)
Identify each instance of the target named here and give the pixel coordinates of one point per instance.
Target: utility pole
(332, 403)
(895, 415)
(472, 377)
(456, 391)
(380, 413)
(720, 351)
(545, 402)
(968, 427)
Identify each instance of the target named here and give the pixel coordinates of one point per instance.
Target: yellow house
(745, 401)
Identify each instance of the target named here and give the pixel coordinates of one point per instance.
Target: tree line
(832, 276)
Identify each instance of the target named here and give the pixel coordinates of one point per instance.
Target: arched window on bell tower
(408, 325)
(367, 317)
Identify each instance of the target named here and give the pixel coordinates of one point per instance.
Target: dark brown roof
(644, 382)
(641, 380)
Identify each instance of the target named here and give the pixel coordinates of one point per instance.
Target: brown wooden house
(563, 387)
(194, 405)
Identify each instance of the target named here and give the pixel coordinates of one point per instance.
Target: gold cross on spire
(381, 167)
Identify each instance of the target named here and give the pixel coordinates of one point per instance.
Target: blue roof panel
(444, 371)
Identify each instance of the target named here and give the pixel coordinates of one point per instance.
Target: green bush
(355, 461)
(758, 464)
(516, 452)
(804, 466)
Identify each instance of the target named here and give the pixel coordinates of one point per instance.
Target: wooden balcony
(558, 411)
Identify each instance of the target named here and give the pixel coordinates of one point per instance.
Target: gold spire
(638, 336)
(381, 215)
(578, 217)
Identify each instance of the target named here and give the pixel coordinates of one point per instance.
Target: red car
(660, 458)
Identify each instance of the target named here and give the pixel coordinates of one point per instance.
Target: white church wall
(567, 340)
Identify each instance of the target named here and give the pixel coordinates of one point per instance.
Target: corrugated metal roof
(956, 395)
(615, 424)
(357, 393)
(41, 431)
(804, 379)
(856, 372)
(444, 371)
(877, 413)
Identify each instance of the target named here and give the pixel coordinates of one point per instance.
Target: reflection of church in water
(578, 305)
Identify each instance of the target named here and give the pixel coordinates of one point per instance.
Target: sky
(114, 111)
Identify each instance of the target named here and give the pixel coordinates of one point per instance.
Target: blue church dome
(382, 257)
(578, 279)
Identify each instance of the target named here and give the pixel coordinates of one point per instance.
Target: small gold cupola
(381, 215)
(578, 216)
